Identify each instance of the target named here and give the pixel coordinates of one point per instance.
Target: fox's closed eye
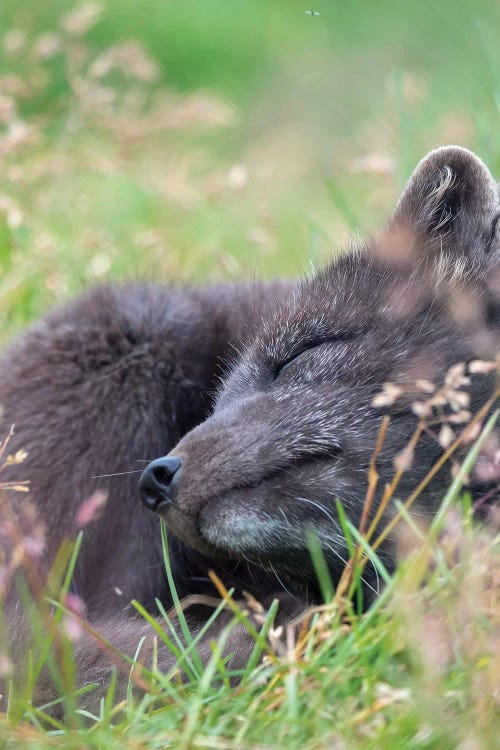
(335, 339)
(281, 366)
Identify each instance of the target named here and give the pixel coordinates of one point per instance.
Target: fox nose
(159, 481)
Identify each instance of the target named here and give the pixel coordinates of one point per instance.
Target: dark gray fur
(131, 373)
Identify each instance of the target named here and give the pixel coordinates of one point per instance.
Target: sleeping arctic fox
(242, 467)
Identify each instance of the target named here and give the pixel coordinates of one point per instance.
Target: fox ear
(451, 204)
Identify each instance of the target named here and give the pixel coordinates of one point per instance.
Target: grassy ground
(228, 141)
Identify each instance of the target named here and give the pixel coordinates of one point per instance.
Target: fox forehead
(319, 312)
(327, 306)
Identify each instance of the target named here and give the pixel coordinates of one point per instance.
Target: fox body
(261, 400)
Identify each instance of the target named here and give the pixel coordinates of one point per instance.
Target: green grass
(419, 669)
(265, 140)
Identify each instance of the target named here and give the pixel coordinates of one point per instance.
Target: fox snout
(227, 448)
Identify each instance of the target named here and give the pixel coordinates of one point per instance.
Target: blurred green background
(204, 140)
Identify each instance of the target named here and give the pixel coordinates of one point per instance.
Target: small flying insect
(312, 12)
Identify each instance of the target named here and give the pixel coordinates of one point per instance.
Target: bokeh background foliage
(194, 141)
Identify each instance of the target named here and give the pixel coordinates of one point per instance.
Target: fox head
(295, 423)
